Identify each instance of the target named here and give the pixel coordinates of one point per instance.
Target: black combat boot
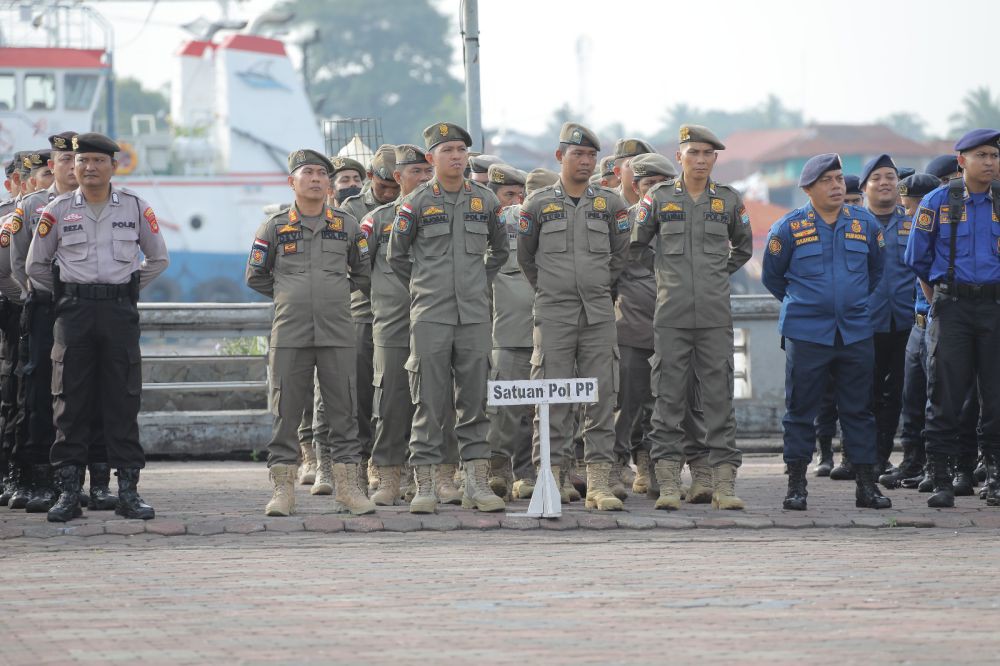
(964, 482)
(101, 497)
(908, 468)
(926, 484)
(22, 488)
(844, 471)
(825, 464)
(8, 484)
(867, 495)
(939, 471)
(979, 474)
(884, 443)
(130, 505)
(43, 493)
(84, 497)
(992, 484)
(795, 499)
(67, 507)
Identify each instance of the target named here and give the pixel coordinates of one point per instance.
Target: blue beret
(978, 137)
(942, 165)
(817, 166)
(878, 162)
(918, 185)
(905, 172)
(853, 183)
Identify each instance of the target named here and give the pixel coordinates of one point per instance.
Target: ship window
(39, 92)
(80, 91)
(7, 88)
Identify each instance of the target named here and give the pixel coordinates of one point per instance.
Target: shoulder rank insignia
(293, 215)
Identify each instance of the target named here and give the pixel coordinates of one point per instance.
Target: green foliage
(134, 99)
(979, 109)
(246, 346)
(909, 125)
(381, 58)
(769, 114)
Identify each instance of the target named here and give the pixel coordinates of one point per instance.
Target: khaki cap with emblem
(92, 142)
(699, 134)
(607, 167)
(384, 161)
(62, 142)
(505, 174)
(444, 132)
(338, 164)
(304, 156)
(539, 178)
(578, 135)
(407, 153)
(482, 163)
(652, 164)
(631, 148)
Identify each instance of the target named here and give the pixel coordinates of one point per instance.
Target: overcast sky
(628, 61)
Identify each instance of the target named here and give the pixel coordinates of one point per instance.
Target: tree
(133, 99)
(979, 109)
(909, 125)
(381, 58)
(769, 114)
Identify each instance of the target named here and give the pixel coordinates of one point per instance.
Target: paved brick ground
(208, 498)
(833, 596)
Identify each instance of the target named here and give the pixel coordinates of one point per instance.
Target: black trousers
(890, 364)
(963, 352)
(10, 440)
(96, 376)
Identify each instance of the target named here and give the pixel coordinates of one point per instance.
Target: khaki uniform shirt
(309, 266)
(701, 243)
(572, 253)
(636, 299)
(457, 245)
(23, 229)
(390, 299)
(102, 250)
(513, 296)
(359, 206)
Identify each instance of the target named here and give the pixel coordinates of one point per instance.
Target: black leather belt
(96, 292)
(984, 291)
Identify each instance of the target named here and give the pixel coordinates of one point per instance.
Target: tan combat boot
(408, 486)
(523, 488)
(373, 477)
(616, 481)
(567, 488)
(477, 493)
(424, 499)
(560, 477)
(668, 474)
(388, 486)
(307, 469)
(444, 485)
(701, 488)
(724, 497)
(283, 494)
(641, 483)
(599, 495)
(323, 485)
(501, 476)
(348, 492)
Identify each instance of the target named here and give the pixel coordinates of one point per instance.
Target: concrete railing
(200, 402)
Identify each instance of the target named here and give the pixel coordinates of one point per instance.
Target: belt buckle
(921, 320)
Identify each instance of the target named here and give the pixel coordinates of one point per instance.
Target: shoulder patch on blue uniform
(925, 219)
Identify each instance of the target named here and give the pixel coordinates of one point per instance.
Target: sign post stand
(545, 499)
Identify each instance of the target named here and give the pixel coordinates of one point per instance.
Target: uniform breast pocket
(475, 237)
(961, 231)
(901, 245)
(857, 255)
(808, 260)
(716, 240)
(672, 237)
(334, 255)
(597, 236)
(434, 239)
(126, 245)
(552, 236)
(73, 246)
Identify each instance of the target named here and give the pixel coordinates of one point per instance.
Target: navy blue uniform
(963, 336)
(824, 275)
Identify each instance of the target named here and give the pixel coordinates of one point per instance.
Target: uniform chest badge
(335, 224)
(433, 210)
(718, 205)
(288, 228)
(600, 203)
(290, 248)
(476, 205)
(552, 208)
(796, 225)
(671, 207)
(856, 227)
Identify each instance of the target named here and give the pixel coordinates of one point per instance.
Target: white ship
(237, 108)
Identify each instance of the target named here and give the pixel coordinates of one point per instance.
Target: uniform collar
(679, 185)
(561, 193)
(437, 190)
(78, 201)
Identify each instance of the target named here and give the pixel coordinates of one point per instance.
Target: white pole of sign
(545, 500)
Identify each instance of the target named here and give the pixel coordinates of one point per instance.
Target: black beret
(918, 185)
(853, 183)
(92, 142)
(942, 165)
(62, 141)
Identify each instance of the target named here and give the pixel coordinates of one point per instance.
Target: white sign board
(542, 391)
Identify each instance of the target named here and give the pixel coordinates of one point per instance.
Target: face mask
(342, 194)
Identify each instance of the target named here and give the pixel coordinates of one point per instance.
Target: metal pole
(473, 109)
(110, 95)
